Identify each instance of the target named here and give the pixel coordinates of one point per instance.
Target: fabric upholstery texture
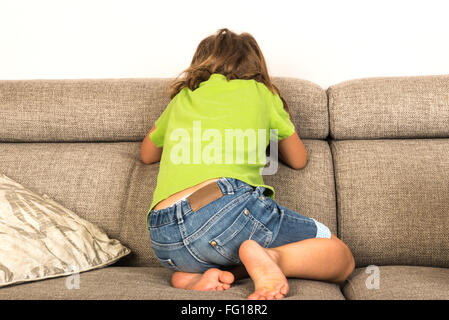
(393, 200)
(104, 183)
(120, 109)
(41, 239)
(390, 107)
(79, 109)
(153, 283)
(399, 283)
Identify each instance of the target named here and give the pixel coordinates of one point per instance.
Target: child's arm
(293, 152)
(149, 152)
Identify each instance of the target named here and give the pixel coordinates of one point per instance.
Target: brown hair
(235, 56)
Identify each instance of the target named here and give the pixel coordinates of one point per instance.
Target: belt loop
(259, 190)
(227, 185)
(178, 212)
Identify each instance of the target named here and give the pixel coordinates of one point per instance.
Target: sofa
(377, 175)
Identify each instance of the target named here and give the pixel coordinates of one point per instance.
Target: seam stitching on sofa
(337, 222)
(352, 288)
(330, 99)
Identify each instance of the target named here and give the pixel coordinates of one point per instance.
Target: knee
(348, 261)
(350, 266)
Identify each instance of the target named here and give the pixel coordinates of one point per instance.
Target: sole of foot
(262, 266)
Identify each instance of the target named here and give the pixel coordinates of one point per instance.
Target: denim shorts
(194, 241)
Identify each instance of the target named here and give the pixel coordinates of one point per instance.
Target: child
(212, 218)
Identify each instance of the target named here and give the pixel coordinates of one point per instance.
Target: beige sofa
(377, 176)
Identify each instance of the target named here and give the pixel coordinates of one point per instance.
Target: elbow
(296, 167)
(150, 157)
(143, 156)
(300, 164)
(147, 160)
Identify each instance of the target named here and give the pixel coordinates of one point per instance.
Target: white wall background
(323, 41)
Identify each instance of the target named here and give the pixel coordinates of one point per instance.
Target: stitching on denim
(281, 220)
(170, 221)
(209, 223)
(166, 263)
(233, 225)
(161, 225)
(256, 221)
(225, 255)
(267, 204)
(308, 220)
(257, 224)
(166, 246)
(188, 212)
(268, 240)
(187, 204)
(193, 253)
(228, 185)
(254, 229)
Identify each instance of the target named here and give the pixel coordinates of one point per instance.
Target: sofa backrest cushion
(85, 110)
(390, 107)
(79, 110)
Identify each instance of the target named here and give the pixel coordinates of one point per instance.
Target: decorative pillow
(41, 239)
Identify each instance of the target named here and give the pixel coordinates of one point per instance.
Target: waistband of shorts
(227, 186)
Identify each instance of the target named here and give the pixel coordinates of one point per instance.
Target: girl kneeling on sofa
(213, 219)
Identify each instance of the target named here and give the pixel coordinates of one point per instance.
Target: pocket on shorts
(168, 263)
(244, 227)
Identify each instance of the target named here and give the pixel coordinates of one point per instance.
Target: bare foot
(262, 266)
(212, 279)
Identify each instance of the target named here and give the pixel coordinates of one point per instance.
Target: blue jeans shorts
(194, 241)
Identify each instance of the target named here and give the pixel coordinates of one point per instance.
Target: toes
(226, 277)
(222, 286)
(260, 294)
(278, 296)
(255, 296)
(271, 295)
(264, 294)
(284, 289)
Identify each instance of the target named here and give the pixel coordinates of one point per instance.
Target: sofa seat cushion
(151, 283)
(398, 283)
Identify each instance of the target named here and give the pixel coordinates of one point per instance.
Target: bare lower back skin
(181, 194)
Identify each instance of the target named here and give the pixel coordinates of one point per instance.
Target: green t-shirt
(221, 129)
